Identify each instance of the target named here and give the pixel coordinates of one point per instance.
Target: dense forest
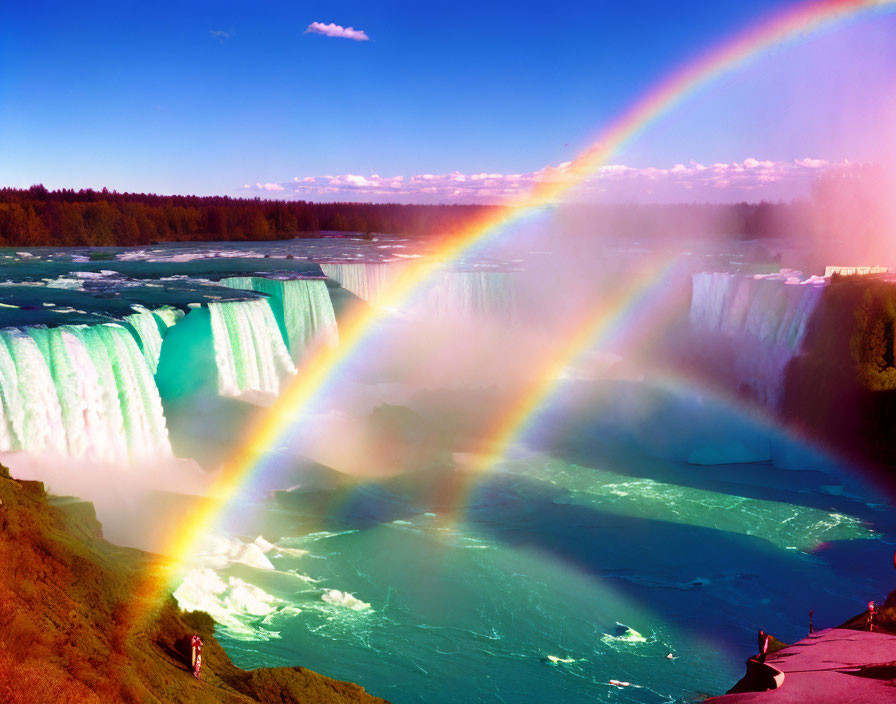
(37, 216)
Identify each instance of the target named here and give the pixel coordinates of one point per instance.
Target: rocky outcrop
(759, 677)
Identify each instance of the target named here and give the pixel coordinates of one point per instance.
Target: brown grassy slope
(65, 634)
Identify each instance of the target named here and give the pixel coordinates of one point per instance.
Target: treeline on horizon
(69, 218)
(66, 218)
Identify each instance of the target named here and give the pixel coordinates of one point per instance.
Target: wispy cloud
(750, 179)
(220, 35)
(336, 30)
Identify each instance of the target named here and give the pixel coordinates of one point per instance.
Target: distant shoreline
(37, 216)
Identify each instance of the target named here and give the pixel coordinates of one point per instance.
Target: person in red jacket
(196, 648)
(764, 641)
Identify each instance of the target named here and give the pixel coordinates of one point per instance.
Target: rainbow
(314, 377)
(644, 294)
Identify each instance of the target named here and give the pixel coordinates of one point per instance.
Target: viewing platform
(855, 270)
(832, 666)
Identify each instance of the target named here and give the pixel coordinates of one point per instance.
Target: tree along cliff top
(65, 632)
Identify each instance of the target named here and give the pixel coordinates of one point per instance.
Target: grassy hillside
(66, 634)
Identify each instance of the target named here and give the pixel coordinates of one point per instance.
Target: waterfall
(141, 407)
(32, 417)
(302, 307)
(250, 354)
(169, 315)
(767, 318)
(146, 323)
(456, 293)
(366, 280)
(85, 391)
(470, 294)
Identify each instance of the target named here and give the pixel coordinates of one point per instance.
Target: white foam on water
(103, 273)
(629, 637)
(219, 552)
(219, 583)
(303, 577)
(263, 544)
(235, 604)
(344, 599)
(782, 524)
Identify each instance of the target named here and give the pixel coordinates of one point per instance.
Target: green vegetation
(37, 217)
(843, 388)
(65, 218)
(872, 344)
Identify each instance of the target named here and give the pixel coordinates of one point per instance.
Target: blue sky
(206, 97)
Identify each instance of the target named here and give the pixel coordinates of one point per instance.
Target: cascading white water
(146, 324)
(470, 294)
(766, 315)
(366, 280)
(85, 391)
(454, 293)
(169, 315)
(249, 351)
(308, 315)
(31, 412)
(141, 407)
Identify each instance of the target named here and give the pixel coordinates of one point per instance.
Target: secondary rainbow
(787, 26)
(644, 295)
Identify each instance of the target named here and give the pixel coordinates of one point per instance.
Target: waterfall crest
(471, 294)
(767, 316)
(304, 307)
(366, 280)
(249, 350)
(147, 324)
(454, 293)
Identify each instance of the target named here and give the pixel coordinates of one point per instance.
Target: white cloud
(337, 30)
(750, 179)
(220, 35)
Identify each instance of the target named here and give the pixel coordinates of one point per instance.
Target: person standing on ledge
(870, 615)
(196, 648)
(764, 639)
